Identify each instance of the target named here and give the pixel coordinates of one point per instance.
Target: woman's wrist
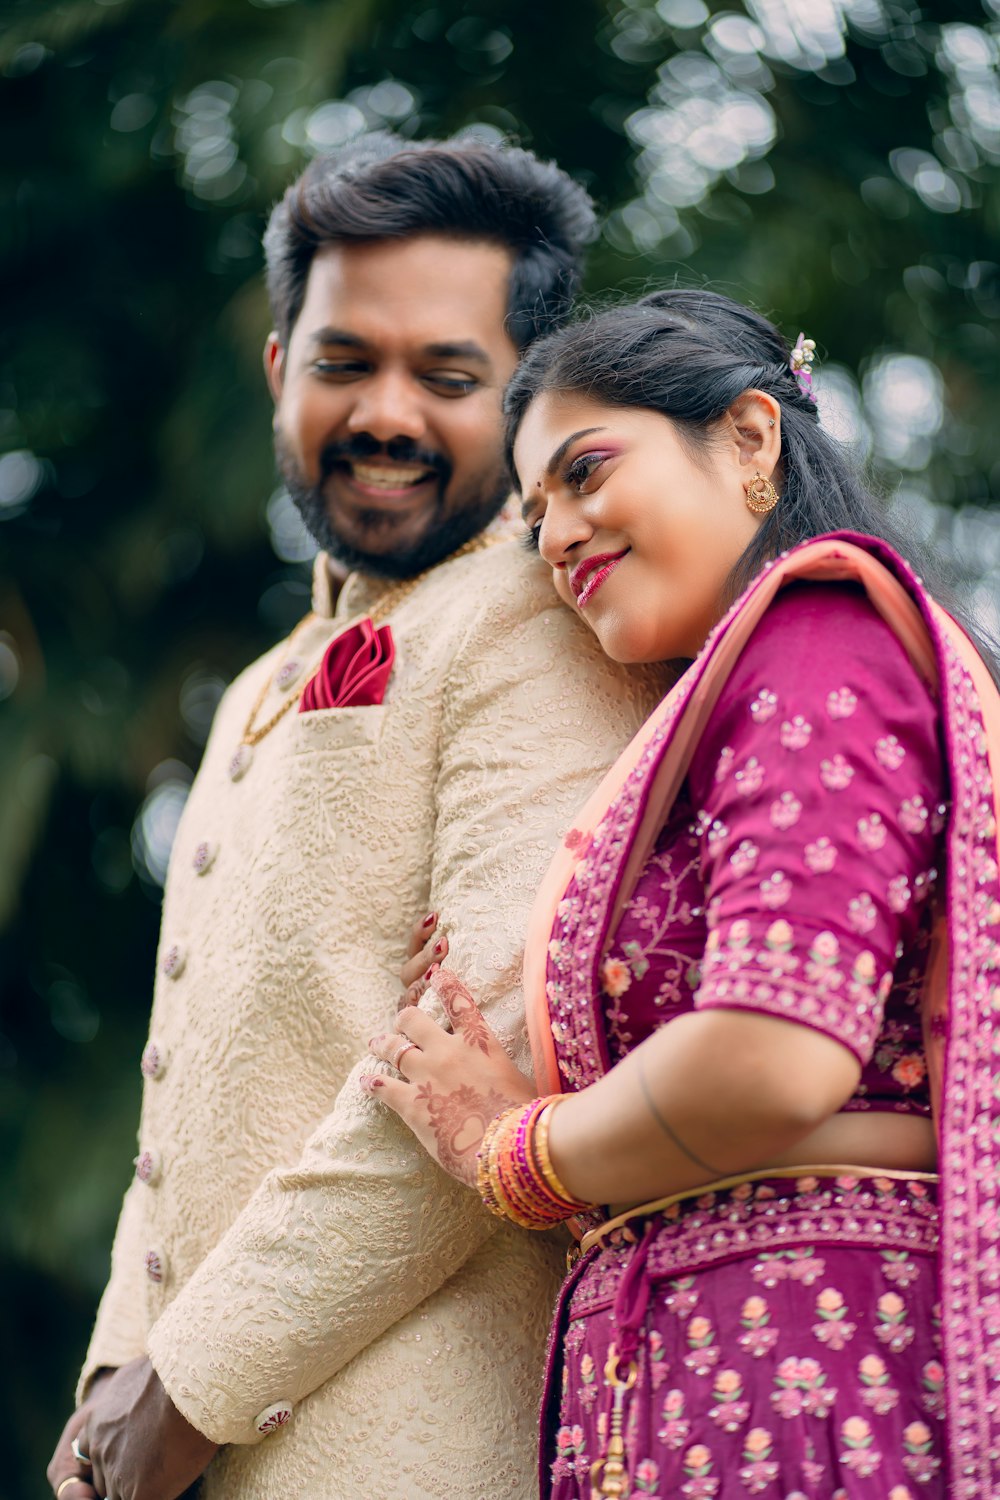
(515, 1176)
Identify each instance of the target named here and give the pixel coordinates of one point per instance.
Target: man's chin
(389, 545)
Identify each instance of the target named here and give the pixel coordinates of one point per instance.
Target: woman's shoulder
(811, 628)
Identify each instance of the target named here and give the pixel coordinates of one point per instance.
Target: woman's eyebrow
(557, 457)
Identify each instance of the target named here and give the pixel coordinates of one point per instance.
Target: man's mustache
(399, 450)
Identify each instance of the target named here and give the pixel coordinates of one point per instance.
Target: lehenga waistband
(724, 1184)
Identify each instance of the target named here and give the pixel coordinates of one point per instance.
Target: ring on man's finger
(79, 1455)
(70, 1479)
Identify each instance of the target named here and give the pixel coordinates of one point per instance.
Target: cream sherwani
(293, 1249)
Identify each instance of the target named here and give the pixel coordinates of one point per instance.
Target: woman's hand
(450, 1086)
(427, 947)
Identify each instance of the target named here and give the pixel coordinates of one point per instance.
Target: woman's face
(640, 531)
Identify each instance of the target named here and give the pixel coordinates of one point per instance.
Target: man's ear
(274, 366)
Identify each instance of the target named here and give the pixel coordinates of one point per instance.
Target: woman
(770, 928)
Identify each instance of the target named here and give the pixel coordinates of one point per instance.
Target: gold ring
(70, 1479)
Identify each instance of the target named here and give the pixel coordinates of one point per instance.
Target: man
(286, 1245)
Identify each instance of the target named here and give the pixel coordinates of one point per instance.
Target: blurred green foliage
(834, 161)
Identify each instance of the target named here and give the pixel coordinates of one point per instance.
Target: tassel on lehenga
(611, 1470)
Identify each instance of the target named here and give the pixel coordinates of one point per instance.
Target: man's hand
(63, 1464)
(140, 1446)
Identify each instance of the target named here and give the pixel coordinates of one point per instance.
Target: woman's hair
(382, 187)
(689, 354)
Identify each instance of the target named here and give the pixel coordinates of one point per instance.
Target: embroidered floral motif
(913, 814)
(821, 856)
(872, 832)
(889, 752)
(786, 811)
(836, 774)
(861, 1456)
(801, 1387)
(675, 1429)
(841, 703)
(725, 765)
(919, 1461)
(744, 857)
(876, 1391)
(861, 913)
(698, 1466)
(615, 977)
(757, 1338)
(892, 1329)
(796, 733)
(898, 894)
(834, 1330)
(750, 777)
(764, 706)
(759, 1469)
(730, 1411)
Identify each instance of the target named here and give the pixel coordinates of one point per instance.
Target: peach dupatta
(961, 1001)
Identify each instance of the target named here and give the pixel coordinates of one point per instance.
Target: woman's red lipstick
(588, 575)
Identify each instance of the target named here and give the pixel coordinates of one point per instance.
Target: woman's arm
(710, 1094)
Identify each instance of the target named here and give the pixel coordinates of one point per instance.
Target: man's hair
(384, 188)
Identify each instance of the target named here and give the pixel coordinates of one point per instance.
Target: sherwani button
(287, 674)
(153, 1063)
(155, 1264)
(204, 857)
(149, 1166)
(273, 1417)
(240, 763)
(173, 961)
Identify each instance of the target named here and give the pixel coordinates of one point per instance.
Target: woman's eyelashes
(584, 467)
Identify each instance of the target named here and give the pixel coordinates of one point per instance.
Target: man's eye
(451, 382)
(345, 367)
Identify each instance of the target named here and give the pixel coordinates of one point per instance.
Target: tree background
(833, 161)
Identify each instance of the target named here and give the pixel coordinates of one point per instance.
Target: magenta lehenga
(828, 1334)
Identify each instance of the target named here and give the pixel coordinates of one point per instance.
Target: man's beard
(446, 532)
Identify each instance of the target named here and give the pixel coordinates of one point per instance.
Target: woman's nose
(563, 530)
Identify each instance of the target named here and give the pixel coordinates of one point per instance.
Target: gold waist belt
(658, 1205)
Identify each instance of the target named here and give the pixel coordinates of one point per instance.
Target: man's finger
(73, 1487)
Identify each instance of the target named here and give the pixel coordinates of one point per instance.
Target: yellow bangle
(540, 1142)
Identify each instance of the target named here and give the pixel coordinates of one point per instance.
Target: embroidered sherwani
(292, 1250)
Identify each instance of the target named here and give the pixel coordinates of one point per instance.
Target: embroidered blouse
(794, 872)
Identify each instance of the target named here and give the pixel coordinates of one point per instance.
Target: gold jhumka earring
(762, 497)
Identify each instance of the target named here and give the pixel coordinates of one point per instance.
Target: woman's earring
(762, 497)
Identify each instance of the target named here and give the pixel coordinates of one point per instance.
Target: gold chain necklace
(390, 600)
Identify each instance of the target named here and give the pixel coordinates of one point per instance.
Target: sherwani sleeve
(330, 1253)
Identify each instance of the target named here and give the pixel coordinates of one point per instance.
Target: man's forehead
(424, 291)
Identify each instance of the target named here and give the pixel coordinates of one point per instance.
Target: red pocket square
(354, 672)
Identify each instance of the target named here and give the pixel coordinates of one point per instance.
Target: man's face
(387, 399)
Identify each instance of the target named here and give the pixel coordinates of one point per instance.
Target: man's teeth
(392, 477)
